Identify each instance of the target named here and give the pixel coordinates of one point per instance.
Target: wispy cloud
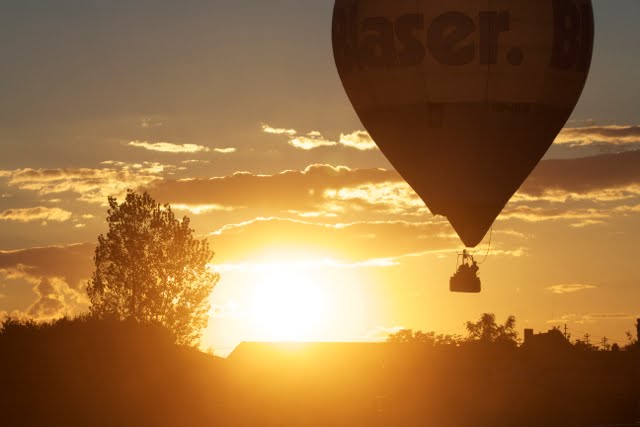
(57, 274)
(167, 147)
(359, 139)
(278, 131)
(616, 135)
(288, 190)
(72, 263)
(584, 175)
(35, 214)
(229, 150)
(55, 299)
(90, 185)
(569, 288)
(200, 209)
(147, 123)
(311, 141)
(581, 319)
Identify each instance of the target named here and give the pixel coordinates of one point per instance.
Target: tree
(632, 343)
(150, 269)
(406, 336)
(409, 336)
(487, 330)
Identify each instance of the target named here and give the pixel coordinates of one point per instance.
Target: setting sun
(288, 306)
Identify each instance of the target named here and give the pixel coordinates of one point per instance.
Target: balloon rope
(488, 248)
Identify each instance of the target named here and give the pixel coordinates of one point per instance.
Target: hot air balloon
(464, 97)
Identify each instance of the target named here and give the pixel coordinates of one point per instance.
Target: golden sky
(234, 114)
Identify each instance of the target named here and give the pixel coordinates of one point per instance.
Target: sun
(289, 306)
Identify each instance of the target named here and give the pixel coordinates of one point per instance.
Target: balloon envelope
(464, 97)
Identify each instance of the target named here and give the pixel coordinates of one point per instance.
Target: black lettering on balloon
(413, 51)
(492, 24)
(377, 49)
(446, 34)
(566, 40)
(586, 42)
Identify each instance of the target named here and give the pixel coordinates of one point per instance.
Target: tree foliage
(150, 269)
(487, 330)
(409, 336)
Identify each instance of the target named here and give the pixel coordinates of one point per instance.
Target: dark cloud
(617, 135)
(50, 303)
(289, 190)
(71, 263)
(322, 190)
(585, 175)
(90, 185)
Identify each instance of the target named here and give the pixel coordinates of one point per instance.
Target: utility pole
(566, 333)
(605, 343)
(586, 339)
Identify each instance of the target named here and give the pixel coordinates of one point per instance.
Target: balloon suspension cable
(488, 248)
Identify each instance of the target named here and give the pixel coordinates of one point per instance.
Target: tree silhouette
(487, 330)
(409, 336)
(150, 269)
(406, 336)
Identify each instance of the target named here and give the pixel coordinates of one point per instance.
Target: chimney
(528, 334)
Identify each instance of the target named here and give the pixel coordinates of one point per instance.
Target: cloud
(569, 288)
(360, 140)
(147, 123)
(581, 319)
(596, 174)
(58, 275)
(55, 299)
(278, 131)
(580, 217)
(389, 197)
(195, 162)
(229, 150)
(616, 135)
(90, 185)
(199, 209)
(166, 147)
(35, 214)
(307, 190)
(71, 263)
(323, 191)
(312, 141)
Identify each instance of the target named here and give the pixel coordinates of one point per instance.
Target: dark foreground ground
(106, 375)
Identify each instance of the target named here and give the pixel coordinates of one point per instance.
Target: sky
(233, 113)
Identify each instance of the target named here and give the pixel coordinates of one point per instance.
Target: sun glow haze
(288, 306)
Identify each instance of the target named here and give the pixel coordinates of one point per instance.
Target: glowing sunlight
(288, 306)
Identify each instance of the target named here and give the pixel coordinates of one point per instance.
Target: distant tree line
(487, 330)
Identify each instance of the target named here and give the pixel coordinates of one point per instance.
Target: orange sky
(247, 130)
